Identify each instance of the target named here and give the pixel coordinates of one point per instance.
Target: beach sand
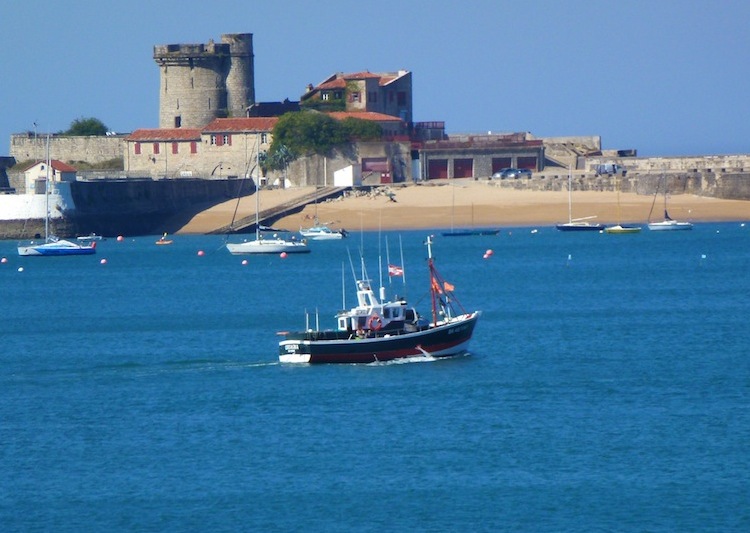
(471, 204)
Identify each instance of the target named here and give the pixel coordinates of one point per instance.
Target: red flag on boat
(394, 270)
(448, 287)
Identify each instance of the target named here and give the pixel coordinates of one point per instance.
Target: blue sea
(607, 389)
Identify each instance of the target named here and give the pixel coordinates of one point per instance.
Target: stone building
(225, 147)
(201, 82)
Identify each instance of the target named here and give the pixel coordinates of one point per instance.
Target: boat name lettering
(292, 347)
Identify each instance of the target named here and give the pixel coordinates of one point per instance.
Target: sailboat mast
(570, 194)
(46, 195)
(257, 187)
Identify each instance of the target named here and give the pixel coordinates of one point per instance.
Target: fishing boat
(51, 245)
(577, 224)
(668, 224)
(378, 330)
(620, 228)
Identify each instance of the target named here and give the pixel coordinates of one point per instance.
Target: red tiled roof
(62, 167)
(220, 125)
(338, 83)
(54, 163)
(364, 115)
(165, 134)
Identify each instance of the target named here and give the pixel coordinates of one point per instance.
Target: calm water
(608, 390)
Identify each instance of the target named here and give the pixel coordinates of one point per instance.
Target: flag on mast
(395, 270)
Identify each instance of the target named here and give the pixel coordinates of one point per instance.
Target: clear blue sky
(666, 77)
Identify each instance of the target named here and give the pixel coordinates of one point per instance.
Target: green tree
(357, 129)
(304, 133)
(87, 126)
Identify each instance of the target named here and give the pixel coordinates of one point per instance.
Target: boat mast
(46, 195)
(570, 194)
(257, 186)
(433, 281)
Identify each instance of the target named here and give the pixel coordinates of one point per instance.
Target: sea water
(607, 389)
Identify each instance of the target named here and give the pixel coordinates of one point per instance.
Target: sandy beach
(470, 203)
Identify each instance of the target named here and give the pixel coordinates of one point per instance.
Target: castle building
(202, 82)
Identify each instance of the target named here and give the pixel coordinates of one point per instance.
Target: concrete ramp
(270, 215)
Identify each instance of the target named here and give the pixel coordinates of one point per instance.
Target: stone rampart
(92, 149)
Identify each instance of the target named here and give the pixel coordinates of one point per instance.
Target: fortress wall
(92, 149)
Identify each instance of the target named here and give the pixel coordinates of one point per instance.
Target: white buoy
(201, 253)
(103, 261)
(244, 261)
(20, 269)
(4, 260)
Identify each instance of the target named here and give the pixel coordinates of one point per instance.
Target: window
(264, 138)
(156, 148)
(337, 95)
(193, 147)
(372, 96)
(137, 148)
(325, 96)
(174, 147)
(213, 140)
(354, 97)
(228, 140)
(177, 121)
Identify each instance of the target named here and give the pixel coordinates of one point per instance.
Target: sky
(663, 77)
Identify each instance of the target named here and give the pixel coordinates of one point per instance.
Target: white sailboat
(668, 224)
(263, 243)
(577, 224)
(619, 228)
(52, 246)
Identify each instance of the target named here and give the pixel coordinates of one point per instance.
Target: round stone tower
(201, 82)
(240, 80)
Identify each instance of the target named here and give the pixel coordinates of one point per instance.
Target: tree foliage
(304, 133)
(87, 126)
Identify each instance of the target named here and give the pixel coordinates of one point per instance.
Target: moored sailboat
(577, 224)
(620, 228)
(276, 243)
(52, 246)
(668, 224)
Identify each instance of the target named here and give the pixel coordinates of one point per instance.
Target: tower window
(177, 121)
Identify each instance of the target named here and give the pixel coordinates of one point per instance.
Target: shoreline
(463, 204)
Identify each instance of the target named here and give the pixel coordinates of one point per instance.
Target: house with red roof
(35, 175)
(388, 93)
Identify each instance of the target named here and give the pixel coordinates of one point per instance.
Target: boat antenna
(343, 287)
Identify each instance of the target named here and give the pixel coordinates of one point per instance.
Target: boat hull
(444, 340)
(670, 225)
(468, 233)
(573, 226)
(267, 246)
(58, 248)
(621, 230)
